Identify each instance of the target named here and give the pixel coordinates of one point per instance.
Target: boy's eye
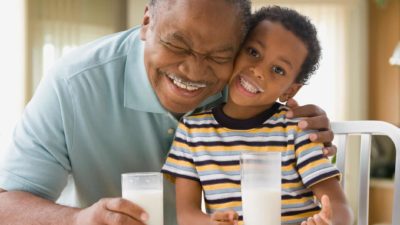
(253, 52)
(278, 70)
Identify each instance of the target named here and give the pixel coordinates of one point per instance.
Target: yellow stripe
(180, 162)
(203, 116)
(223, 130)
(217, 167)
(231, 148)
(224, 205)
(314, 164)
(212, 187)
(307, 147)
(296, 201)
(298, 216)
(292, 185)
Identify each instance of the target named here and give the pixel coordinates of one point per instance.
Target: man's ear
(145, 23)
(290, 92)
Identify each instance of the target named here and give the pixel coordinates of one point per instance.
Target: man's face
(190, 48)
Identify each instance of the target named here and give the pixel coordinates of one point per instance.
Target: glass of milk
(145, 190)
(261, 188)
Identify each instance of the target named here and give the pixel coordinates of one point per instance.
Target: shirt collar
(138, 92)
(244, 124)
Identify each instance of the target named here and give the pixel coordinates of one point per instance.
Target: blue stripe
(214, 172)
(314, 171)
(178, 167)
(223, 191)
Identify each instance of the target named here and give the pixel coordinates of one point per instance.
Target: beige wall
(384, 33)
(135, 11)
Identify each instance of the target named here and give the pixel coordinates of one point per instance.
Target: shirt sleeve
(37, 159)
(180, 162)
(311, 164)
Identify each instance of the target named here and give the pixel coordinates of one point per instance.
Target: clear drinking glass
(145, 190)
(261, 188)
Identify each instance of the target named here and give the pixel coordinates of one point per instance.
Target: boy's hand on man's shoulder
(314, 118)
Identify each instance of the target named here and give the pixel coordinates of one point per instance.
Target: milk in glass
(261, 188)
(146, 191)
(151, 201)
(261, 204)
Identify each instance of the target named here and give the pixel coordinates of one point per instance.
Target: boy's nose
(257, 73)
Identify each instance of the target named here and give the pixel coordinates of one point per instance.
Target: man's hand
(229, 217)
(314, 119)
(324, 217)
(112, 211)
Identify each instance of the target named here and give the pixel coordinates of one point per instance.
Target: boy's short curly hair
(301, 27)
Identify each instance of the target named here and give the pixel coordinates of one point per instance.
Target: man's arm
(315, 118)
(22, 208)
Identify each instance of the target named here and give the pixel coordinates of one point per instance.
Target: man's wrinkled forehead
(242, 9)
(181, 38)
(197, 23)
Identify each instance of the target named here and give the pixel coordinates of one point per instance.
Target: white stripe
(307, 156)
(318, 173)
(296, 209)
(201, 122)
(218, 176)
(180, 172)
(223, 196)
(222, 158)
(214, 138)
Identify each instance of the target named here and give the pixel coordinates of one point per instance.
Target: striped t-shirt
(207, 149)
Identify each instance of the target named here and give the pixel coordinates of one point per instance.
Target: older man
(112, 106)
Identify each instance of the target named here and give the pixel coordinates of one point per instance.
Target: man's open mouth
(186, 85)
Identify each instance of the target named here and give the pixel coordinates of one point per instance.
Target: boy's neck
(240, 112)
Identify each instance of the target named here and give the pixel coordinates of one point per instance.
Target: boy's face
(267, 66)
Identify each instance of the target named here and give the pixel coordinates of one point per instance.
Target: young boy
(277, 58)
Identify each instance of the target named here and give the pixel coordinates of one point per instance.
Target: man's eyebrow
(177, 36)
(181, 38)
(226, 48)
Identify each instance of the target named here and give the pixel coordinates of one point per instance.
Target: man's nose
(194, 67)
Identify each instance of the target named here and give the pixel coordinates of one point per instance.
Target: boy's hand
(314, 119)
(229, 217)
(324, 217)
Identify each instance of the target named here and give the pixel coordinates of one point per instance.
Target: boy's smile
(265, 70)
(247, 85)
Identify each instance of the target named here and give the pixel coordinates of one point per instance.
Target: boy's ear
(290, 92)
(145, 23)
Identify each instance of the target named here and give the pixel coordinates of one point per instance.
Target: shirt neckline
(245, 124)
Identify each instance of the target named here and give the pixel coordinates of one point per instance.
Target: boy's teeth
(246, 85)
(190, 86)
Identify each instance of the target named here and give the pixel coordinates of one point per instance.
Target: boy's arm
(342, 214)
(188, 203)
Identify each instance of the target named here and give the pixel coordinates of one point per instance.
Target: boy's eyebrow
(286, 61)
(260, 43)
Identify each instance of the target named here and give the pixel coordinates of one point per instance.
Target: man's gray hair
(243, 6)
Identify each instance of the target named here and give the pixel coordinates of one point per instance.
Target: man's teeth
(250, 88)
(187, 85)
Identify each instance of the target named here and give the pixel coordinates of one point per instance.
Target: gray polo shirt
(93, 117)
